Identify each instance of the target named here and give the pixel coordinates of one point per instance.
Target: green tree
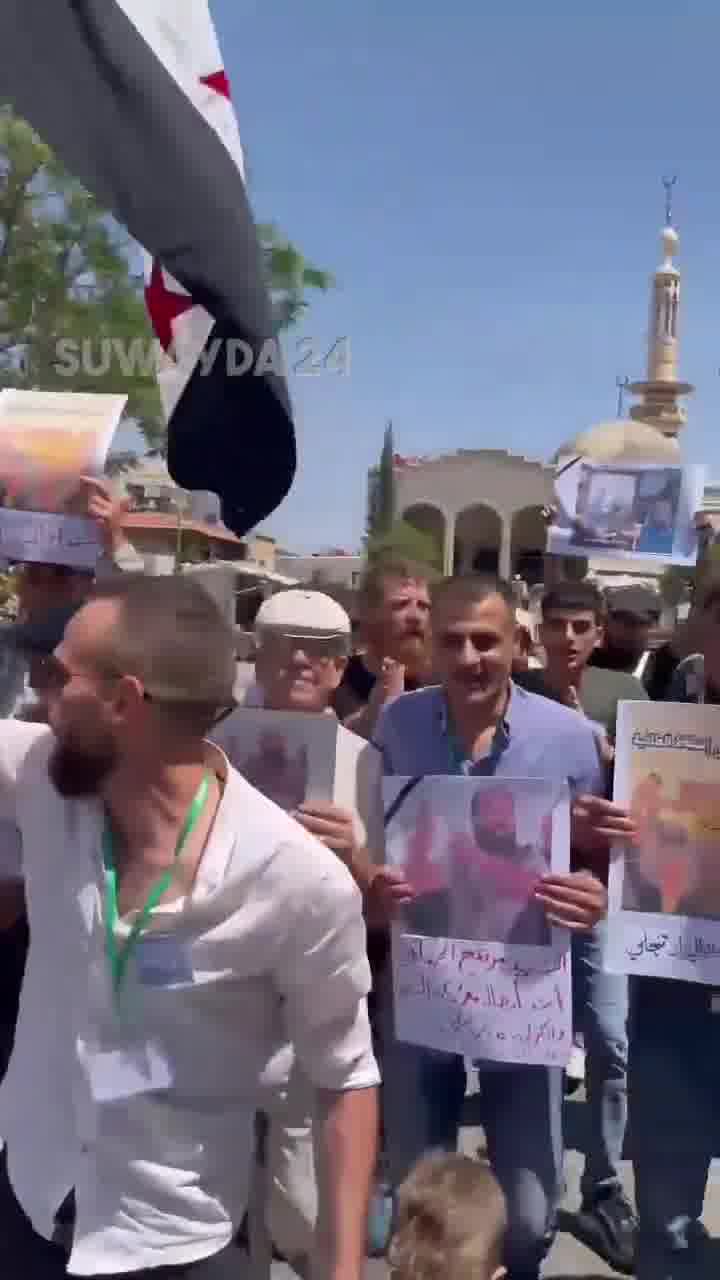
(404, 540)
(290, 275)
(66, 275)
(68, 271)
(382, 490)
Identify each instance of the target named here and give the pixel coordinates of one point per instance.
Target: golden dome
(622, 440)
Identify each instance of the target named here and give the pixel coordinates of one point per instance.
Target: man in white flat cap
(303, 641)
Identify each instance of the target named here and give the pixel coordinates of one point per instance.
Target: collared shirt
(536, 739)
(275, 944)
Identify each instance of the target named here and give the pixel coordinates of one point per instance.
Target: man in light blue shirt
(478, 723)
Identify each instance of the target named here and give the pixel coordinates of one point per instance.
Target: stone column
(449, 546)
(504, 565)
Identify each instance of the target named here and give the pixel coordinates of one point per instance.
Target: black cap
(640, 602)
(38, 637)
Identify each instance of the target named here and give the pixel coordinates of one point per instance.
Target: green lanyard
(118, 957)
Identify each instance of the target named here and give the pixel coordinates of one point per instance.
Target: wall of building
(341, 571)
(483, 506)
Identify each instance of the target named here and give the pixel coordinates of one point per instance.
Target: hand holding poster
(48, 441)
(297, 758)
(627, 511)
(665, 890)
(477, 969)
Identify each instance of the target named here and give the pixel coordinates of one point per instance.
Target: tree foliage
(69, 271)
(289, 275)
(65, 274)
(382, 490)
(404, 540)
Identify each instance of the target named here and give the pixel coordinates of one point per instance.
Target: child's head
(451, 1222)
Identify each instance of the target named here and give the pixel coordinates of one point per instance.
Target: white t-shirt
(271, 942)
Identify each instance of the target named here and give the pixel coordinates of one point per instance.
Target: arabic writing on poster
(486, 1001)
(649, 741)
(37, 536)
(664, 886)
(667, 948)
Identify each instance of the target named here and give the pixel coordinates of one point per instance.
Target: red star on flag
(164, 306)
(218, 81)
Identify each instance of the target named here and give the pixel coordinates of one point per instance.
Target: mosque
(484, 506)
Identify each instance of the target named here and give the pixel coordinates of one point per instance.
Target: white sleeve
(322, 972)
(16, 740)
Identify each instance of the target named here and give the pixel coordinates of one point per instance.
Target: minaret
(659, 404)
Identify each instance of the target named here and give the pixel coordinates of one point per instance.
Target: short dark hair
(171, 635)
(388, 569)
(472, 588)
(574, 597)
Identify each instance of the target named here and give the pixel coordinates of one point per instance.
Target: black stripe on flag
(96, 91)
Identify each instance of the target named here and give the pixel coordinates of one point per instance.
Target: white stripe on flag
(183, 38)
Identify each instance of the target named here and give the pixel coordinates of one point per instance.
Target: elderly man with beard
(478, 723)
(394, 631)
(179, 922)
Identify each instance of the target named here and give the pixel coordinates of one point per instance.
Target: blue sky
(484, 180)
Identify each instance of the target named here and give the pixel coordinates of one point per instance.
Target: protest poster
(296, 757)
(665, 890)
(477, 969)
(627, 511)
(48, 440)
(36, 537)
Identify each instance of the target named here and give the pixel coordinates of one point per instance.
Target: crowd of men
(190, 956)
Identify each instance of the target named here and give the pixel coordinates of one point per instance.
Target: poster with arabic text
(49, 440)
(665, 888)
(478, 969)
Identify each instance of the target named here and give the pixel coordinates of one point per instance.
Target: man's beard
(76, 772)
(412, 651)
(502, 843)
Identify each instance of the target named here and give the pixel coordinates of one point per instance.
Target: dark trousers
(24, 1255)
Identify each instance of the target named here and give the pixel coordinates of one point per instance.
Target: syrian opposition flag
(133, 97)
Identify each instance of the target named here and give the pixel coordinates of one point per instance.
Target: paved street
(569, 1259)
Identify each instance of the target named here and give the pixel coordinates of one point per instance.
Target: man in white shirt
(179, 922)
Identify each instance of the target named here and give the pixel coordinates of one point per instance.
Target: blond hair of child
(451, 1222)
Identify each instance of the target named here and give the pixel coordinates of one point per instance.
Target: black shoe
(608, 1226)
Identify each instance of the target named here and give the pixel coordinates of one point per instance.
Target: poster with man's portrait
(477, 967)
(665, 886)
(627, 511)
(296, 758)
(474, 850)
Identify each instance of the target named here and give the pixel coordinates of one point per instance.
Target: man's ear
(600, 635)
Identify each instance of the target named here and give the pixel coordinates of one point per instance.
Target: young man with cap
(195, 921)
(631, 613)
(302, 641)
(479, 723)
